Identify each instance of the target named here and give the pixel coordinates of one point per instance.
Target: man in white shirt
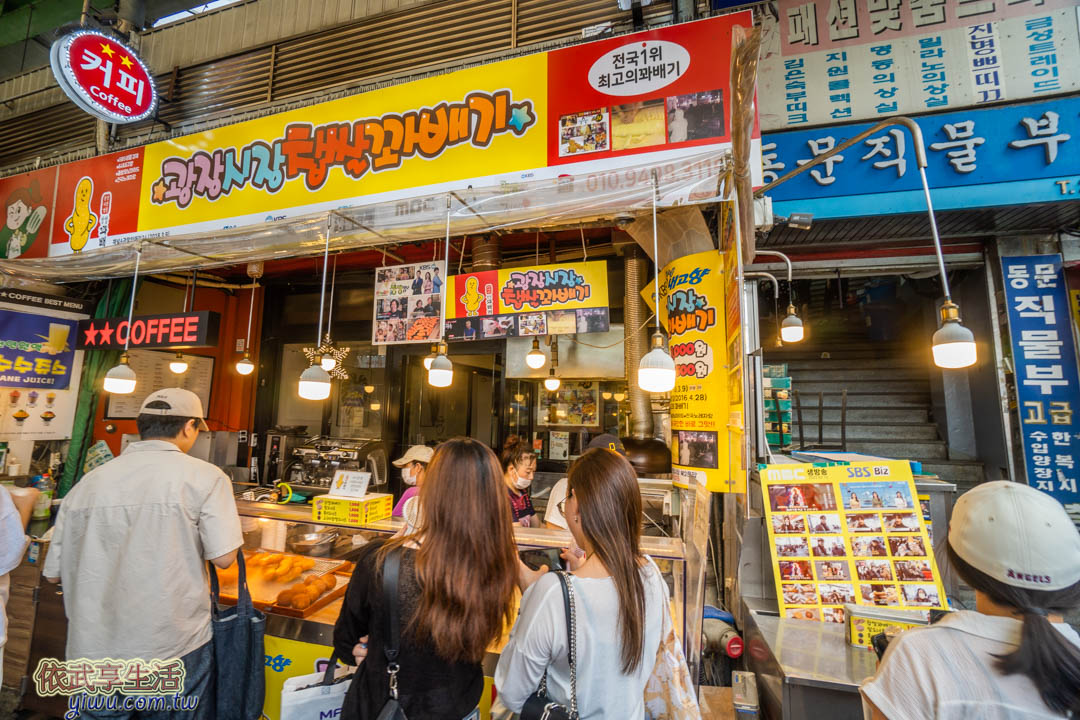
(16, 504)
(131, 543)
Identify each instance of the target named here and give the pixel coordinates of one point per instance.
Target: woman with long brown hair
(619, 599)
(455, 592)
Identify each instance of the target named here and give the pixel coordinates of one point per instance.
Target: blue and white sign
(1007, 155)
(1047, 382)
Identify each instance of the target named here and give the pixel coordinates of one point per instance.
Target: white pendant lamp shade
(656, 371)
(954, 346)
(314, 384)
(791, 329)
(619, 397)
(369, 389)
(430, 356)
(535, 358)
(441, 372)
(327, 362)
(178, 365)
(375, 407)
(552, 383)
(121, 379)
(244, 366)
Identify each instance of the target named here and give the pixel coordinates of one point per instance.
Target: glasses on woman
(562, 503)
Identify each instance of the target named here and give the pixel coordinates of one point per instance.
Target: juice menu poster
(848, 534)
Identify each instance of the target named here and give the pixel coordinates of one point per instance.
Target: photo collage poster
(574, 404)
(848, 534)
(408, 303)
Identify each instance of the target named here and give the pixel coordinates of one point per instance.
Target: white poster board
(408, 303)
(152, 372)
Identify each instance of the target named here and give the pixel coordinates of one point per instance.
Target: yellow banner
(848, 534)
(477, 122)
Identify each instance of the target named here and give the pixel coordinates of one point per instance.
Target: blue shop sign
(1047, 382)
(1007, 155)
(35, 351)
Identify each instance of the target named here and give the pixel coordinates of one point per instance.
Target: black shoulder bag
(539, 706)
(392, 710)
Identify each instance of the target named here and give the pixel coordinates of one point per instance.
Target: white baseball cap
(417, 453)
(177, 402)
(1017, 535)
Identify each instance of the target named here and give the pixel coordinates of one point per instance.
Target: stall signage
(1047, 382)
(408, 303)
(836, 60)
(35, 352)
(558, 299)
(584, 113)
(976, 158)
(103, 76)
(30, 298)
(179, 330)
(848, 534)
(692, 296)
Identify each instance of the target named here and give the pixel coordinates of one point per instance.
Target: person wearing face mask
(413, 465)
(519, 466)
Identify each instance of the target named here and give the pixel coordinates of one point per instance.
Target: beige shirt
(130, 546)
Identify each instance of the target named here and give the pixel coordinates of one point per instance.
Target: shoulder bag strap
(244, 605)
(391, 569)
(571, 637)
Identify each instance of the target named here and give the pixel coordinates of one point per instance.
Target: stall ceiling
(912, 228)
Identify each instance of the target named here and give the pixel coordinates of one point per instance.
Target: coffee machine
(313, 464)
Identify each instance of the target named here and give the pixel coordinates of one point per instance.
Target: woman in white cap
(1012, 657)
(413, 465)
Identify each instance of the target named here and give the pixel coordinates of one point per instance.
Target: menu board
(574, 404)
(408, 303)
(848, 534)
(152, 373)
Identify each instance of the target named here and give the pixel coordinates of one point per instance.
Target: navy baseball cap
(608, 442)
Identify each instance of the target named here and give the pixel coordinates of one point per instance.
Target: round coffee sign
(103, 76)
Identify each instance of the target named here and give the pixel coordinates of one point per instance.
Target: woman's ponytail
(1045, 656)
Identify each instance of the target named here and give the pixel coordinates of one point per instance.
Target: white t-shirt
(947, 671)
(538, 641)
(13, 542)
(130, 545)
(556, 496)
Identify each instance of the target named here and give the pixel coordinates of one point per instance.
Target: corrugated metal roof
(955, 224)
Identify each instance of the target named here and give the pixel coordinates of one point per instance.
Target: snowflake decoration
(314, 356)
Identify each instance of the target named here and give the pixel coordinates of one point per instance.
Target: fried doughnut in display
(285, 597)
(329, 582)
(283, 568)
(306, 563)
(302, 600)
(257, 559)
(291, 575)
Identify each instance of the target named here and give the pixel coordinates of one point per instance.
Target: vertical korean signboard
(692, 307)
(1047, 382)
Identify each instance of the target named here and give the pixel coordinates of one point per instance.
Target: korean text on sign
(1047, 381)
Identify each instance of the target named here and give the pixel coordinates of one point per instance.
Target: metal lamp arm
(770, 276)
(920, 160)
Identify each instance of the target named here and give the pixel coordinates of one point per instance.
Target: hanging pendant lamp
(244, 366)
(441, 370)
(656, 371)
(315, 382)
(120, 380)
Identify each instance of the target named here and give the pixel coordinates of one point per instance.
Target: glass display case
(299, 635)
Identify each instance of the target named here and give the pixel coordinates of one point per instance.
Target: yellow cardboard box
(371, 508)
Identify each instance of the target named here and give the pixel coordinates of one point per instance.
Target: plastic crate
(774, 370)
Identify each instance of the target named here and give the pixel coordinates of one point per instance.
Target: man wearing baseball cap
(131, 543)
(1012, 657)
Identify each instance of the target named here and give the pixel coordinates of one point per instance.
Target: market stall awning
(542, 204)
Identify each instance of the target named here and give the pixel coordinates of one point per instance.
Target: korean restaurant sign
(559, 299)
(581, 113)
(825, 61)
(1047, 381)
(179, 330)
(103, 76)
(978, 157)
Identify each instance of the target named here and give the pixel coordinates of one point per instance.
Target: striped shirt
(947, 671)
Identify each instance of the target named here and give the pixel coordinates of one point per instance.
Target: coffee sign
(103, 76)
(180, 330)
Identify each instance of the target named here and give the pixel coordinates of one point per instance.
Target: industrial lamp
(431, 356)
(120, 380)
(552, 383)
(535, 357)
(953, 344)
(656, 371)
(441, 370)
(244, 366)
(178, 365)
(791, 329)
(315, 381)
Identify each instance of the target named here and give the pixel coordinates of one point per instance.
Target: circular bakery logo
(103, 76)
(639, 68)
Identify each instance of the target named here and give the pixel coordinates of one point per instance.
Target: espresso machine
(314, 463)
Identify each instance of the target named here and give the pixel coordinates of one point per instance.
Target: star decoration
(106, 49)
(314, 355)
(158, 191)
(106, 333)
(126, 61)
(521, 117)
(91, 335)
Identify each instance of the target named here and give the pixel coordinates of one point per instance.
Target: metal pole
(655, 253)
(134, 284)
(322, 294)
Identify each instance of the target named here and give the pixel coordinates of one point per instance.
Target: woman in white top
(1012, 657)
(619, 601)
